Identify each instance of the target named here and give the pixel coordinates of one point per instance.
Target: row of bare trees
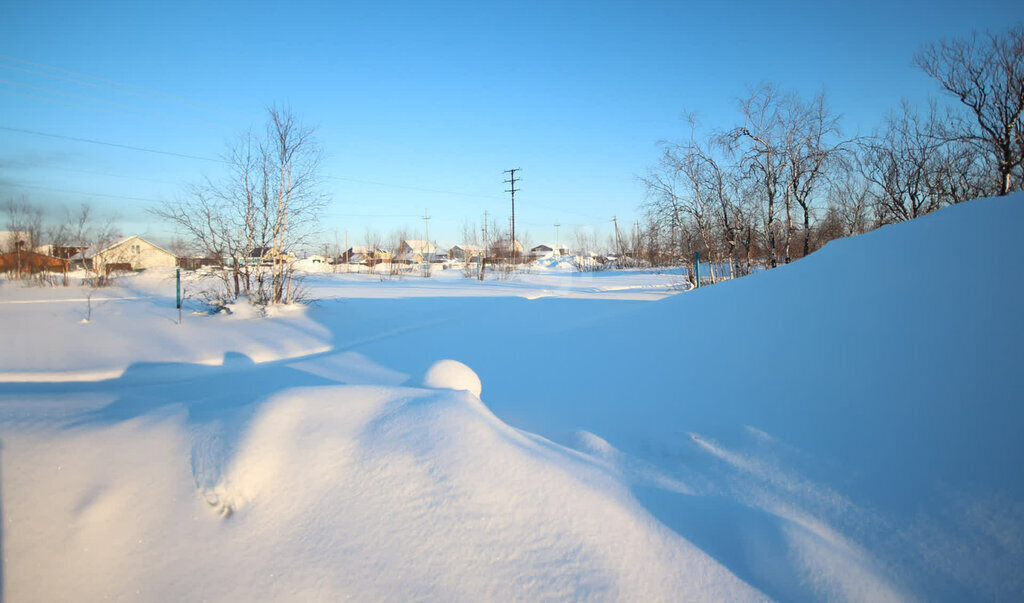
(783, 180)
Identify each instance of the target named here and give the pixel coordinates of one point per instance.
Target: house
(30, 262)
(365, 254)
(63, 252)
(414, 252)
(194, 263)
(543, 251)
(13, 240)
(465, 253)
(268, 256)
(503, 249)
(134, 253)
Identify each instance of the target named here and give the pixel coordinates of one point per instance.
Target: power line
(102, 102)
(97, 109)
(112, 144)
(222, 161)
(110, 175)
(117, 86)
(210, 159)
(84, 194)
(412, 188)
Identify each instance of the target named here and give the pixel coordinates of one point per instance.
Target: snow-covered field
(846, 427)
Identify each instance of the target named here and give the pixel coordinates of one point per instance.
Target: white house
(416, 251)
(133, 251)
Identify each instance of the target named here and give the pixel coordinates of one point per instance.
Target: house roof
(504, 244)
(419, 246)
(16, 256)
(472, 248)
(123, 241)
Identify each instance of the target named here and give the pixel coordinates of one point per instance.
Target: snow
(845, 427)
(452, 374)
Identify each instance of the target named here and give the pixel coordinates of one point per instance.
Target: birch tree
(986, 74)
(260, 210)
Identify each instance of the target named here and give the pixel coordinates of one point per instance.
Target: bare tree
(914, 168)
(849, 203)
(986, 74)
(292, 154)
(85, 233)
(260, 211)
(24, 223)
(760, 143)
(394, 245)
(811, 149)
(470, 233)
(691, 183)
(374, 242)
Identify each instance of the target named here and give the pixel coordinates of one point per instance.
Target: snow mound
(866, 430)
(414, 494)
(308, 265)
(555, 263)
(452, 374)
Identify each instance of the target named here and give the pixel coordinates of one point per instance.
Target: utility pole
(426, 220)
(618, 247)
(482, 263)
(484, 231)
(558, 247)
(426, 249)
(512, 189)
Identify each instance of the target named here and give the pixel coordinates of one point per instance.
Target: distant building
(30, 262)
(415, 252)
(367, 255)
(268, 256)
(193, 263)
(503, 249)
(465, 253)
(63, 252)
(543, 250)
(133, 253)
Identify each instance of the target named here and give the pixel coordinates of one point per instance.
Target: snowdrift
(856, 413)
(323, 493)
(845, 427)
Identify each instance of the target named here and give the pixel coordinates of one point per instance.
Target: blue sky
(423, 105)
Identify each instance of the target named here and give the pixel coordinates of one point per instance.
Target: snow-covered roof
(504, 244)
(419, 246)
(125, 240)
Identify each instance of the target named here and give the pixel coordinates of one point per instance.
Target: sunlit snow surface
(847, 427)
